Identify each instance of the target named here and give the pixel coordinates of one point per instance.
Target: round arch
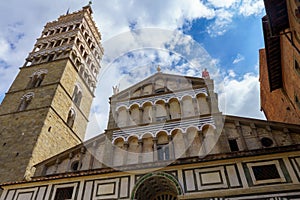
(158, 185)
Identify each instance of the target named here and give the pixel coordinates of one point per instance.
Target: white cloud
(238, 59)
(240, 97)
(251, 7)
(222, 3)
(225, 11)
(221, 23)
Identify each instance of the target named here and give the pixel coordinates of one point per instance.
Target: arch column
(155, 149)
(167, 106)
(126, 145)
(141, 114)
(154, 113)
(186, 144)
(181, 108)
(171, 149)
(127, 117)
(202, 150)
(196, 107)
(140, 150)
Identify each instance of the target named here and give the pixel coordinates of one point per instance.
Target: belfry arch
(157, 186)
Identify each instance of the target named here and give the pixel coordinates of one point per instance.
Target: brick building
(279, 62)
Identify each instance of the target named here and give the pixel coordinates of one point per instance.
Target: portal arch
(155, 186)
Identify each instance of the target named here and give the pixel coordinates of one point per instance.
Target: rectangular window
(265, 172)
(233, 145)
(163, 152)
(64, 193)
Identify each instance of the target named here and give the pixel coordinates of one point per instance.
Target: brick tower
(47, 107)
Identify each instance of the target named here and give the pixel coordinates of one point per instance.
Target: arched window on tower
(37, 78)
(77, 95)
(25, 101)
(71, 118)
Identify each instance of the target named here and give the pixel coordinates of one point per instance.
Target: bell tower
(46, 109)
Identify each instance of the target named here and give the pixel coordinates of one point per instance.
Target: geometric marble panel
(106, 189)
(233, 176)
(296, 166)
(26, 194)
(266, 172)
(124, 187)
(189, 180)
(211, 178)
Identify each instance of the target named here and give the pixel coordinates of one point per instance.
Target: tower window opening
(37, 78)
(65, 41)
(44, 58)
(93, 47)
(233, 145)
(25, 101)
(71, 118)
(81, 49)
(72, 39)
(50, 57)
(86, 35)
(57, 43)
(85, 55)
(77, 95)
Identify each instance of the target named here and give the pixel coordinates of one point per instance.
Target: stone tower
(47, 107)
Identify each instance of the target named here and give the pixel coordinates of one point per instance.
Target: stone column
(202, 150)
(186, 144)
(126, 145)
(171, 147)
(195, 104)
(140, 150)
(127, 117)
(154, 113)
(181, 108)
(155, 156)
(167, 106)
(141, 114)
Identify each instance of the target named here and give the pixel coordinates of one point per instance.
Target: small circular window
(266, 142)
(75, 165)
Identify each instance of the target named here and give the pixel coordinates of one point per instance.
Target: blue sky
(182, 36)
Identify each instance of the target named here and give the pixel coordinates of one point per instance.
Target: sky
(182, 36)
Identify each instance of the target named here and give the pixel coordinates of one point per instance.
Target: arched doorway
(156, 186)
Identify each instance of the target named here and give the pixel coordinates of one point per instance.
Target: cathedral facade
(165, 140)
